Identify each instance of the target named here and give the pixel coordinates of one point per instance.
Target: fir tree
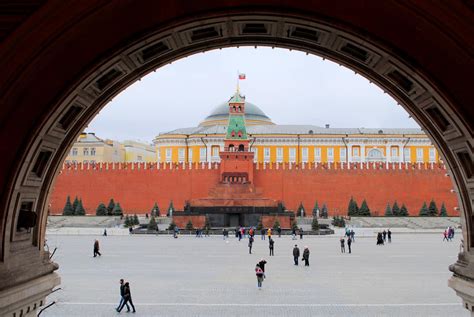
(110, 207)
(388, 211)
(396, 209)
(152, 226)
(315, 224)
(404, 211)
(80, 211)
(364, 210)
(207, 224)
(101, 210)
(424, 212)
(301, 212)
(324, 211)
(170, 209)
(117, 210)
(189, 225)
(172, 226)
(353, 209)
(68, 210)
(74, 205)
(127, 222)
(276, 224)
(155, 211)
(316, 209)
(294, 225)
(259, 225)
(433, 209)
(443, 212)
(135, 220)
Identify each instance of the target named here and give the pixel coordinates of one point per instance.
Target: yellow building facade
(91, 149)
(273, 143)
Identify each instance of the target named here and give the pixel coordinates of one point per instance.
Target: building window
(181, 153)
(85, 151)
(355, 151)
(406, 155)
(292, 154)
(279, 154)
(202, 154)
(330, 154)
(317, 154)
(375, 155)
(92, 151)
(168, 153)
(215, 154)
(74, 151)
(419, 155)
(342, 154)
(255, 154)
(304, 154)
(266, 154)
(190, 155)
(432, 154)
(139, 158)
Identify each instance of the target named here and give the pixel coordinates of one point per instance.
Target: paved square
(209, 277)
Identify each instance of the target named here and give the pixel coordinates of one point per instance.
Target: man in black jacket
(122, 286)
(271, 242)
(127, 295)
(296, 254)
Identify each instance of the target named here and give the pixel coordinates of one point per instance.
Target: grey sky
(290, 87)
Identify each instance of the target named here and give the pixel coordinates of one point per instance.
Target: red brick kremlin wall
(138, 186)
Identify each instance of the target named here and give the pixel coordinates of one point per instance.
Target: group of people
(383, 236)
(342, 241)
(125, 297)
(295, 232)
(296, 255)
(448, 234)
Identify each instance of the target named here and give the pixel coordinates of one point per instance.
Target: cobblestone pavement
(210, 277)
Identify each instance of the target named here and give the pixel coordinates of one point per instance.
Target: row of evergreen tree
(323, 211)
(74, 209)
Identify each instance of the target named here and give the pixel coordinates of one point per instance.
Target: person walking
(389, 236)
(250, 244)
(343, 245)
(301, 233)
(293, 234)
(122, 292)
(445, 234)
(379, 238)
(262, 266)
(127, 295)
(224, 233)
(384, 234)
(306, 256)
(259, 273)
(105, 233)
(296, 254)
(269, 233)
(279, 232)
(96, 248)
(262, 233)
(353, 235)
(349, 243)
(271, 242)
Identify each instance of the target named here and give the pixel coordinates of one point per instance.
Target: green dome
(221, 113)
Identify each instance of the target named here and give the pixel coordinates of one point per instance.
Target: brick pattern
(138, 188)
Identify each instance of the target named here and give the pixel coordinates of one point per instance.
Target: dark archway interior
(57, 73)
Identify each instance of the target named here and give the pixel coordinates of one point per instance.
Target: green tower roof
(236, 125)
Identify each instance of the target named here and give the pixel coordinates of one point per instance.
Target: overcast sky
(290, 87)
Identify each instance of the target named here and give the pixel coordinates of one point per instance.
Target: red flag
(241, 76)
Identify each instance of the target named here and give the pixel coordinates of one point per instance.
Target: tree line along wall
(138, 186)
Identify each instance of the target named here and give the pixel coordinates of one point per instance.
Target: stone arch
(39, 127)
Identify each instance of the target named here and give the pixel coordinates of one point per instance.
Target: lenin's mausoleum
(237, 166)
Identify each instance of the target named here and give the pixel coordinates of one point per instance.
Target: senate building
(272, 143)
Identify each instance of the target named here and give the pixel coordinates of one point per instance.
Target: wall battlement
(143, 166)
(137, 186)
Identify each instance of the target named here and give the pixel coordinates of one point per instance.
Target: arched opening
(241, 148)
(40, 126)
(375, 155)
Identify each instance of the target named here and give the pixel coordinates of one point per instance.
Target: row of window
(85, 151)
(372, 154)
(75, 162)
